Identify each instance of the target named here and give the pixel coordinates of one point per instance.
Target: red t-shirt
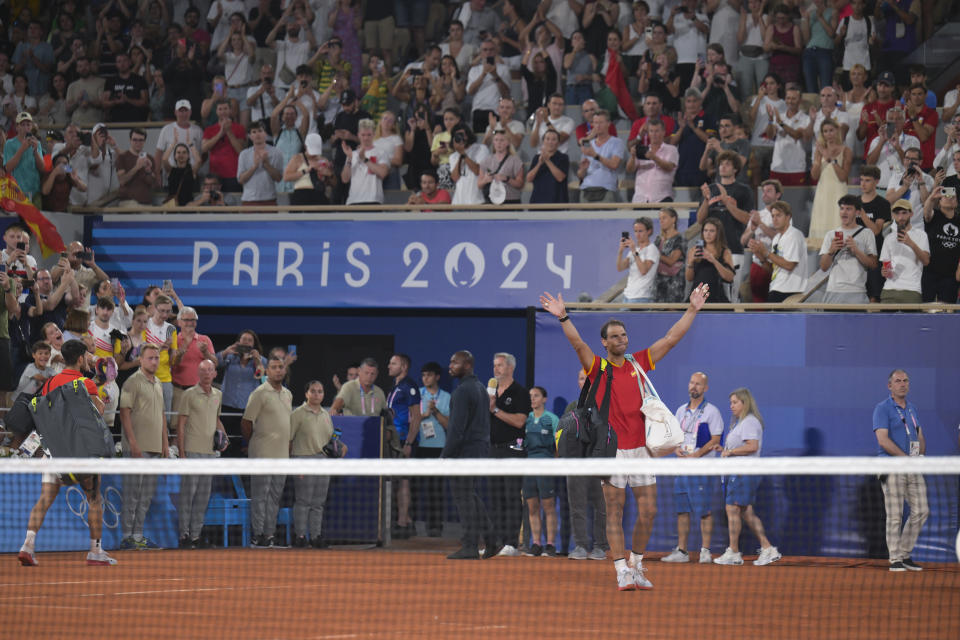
(669, 124)
(928, 147)
(186, 373)
(65, 377)
(223, 157)
(867, 115)
(625, 415)
(442, 196)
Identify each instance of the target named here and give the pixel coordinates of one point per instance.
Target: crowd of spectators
(340, 102)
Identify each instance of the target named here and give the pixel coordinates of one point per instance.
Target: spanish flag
(13, 200)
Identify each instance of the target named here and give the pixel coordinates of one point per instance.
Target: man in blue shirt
(404, 400)
(898, 432)
(602, 155)
(23, 158)
(435, 413)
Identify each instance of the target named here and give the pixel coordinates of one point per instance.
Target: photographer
(262, 98)
(210, 194)
(59, 183)
(655, 166)
(721, 94)
(23, 158)
(911, 179)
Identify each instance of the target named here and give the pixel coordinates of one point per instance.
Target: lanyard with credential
(373, 400)
(683, 423)
(903, 419)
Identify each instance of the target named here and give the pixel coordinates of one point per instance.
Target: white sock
(95, 545)
(29, 540)
(635, 559)
(620, 565)
(138, 537)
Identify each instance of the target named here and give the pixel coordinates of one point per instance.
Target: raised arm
(556, 307)
(662, 347)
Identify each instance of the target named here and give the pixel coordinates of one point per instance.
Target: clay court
(372, 593)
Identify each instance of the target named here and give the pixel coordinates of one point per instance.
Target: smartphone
(218, 87)
(168, 284)
(63, 254)
(490, 59)
(949, 192)
(115, 283)
(416, 72)
(648, 32)
(699, 244)
(624, 235)
(67, 168)
(714, 191)
(22, 246)
(292, 349)
(891, 129)
(838, 235)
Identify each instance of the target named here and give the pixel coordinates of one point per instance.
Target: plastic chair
(232, 511)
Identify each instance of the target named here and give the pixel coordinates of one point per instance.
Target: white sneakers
(705, 557)
(677, 555)
(767, 556)
(509, 550)
(100, 558)
(632, 578)
(729, 557)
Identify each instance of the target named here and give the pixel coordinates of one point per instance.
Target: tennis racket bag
(585, 432)
(70, 425)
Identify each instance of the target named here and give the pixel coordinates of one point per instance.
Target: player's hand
(699, 296)
(554, 306)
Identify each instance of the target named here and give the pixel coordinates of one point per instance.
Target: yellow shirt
(157, 335)
(202, 410)
(310, 430)
(145, 401)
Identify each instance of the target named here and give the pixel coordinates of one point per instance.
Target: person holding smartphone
(847, 253)
(709, 260)
(940, 217)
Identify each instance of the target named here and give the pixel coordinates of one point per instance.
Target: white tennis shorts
(634, 479)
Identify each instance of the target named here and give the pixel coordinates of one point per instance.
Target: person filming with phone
(904, 255)
(939, 280)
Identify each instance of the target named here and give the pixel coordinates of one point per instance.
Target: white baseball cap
(182, 104)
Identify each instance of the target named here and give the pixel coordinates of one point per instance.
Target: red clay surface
(346, 594)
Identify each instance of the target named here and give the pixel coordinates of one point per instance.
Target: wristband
(564, 318)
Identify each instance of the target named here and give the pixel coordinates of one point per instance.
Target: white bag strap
(642, 374)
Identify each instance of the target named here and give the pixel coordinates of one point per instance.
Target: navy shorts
(411, 13)
(539, 487)
(742, 490)
(693, 494)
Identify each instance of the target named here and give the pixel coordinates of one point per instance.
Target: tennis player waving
(628, 422)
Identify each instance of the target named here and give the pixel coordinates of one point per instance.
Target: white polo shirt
(907, 269)
(792, 246)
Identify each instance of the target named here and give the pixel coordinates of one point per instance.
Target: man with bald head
(468, 436)
(84, 266)
(702, 427)
(197, 422)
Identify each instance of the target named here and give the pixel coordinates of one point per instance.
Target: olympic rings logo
(78, 505)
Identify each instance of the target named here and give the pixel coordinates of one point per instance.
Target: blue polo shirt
(27, 173)
(404, 394)
(442, 398)
(901, 424)
(540, 435)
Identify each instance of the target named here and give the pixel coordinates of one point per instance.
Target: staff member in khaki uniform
(310, 430)
(144, 436)
(199, 418)
(266, 425)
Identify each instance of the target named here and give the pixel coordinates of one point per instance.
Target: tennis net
(358, 574)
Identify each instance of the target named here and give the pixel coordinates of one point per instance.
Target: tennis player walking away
(628, 422)
(74, 354)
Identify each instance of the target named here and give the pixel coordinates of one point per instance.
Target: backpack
(839, 49)
(69, 424)
(585, 432)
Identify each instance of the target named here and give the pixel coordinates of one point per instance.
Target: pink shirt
(185, 373)
(653, 184)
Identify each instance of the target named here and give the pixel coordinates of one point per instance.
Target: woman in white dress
(830, 169)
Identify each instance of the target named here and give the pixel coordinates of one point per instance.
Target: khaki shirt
(310, 430)
(202, 411)
(145, 401)
(357, 402)
(269, 410)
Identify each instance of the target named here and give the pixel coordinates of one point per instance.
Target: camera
(85, 255)
(641, 151)
(27, 283)
(460, 137)
(268, 80)
(718, 81)
(949, 192)
(244, 349)
(303, 83)
(912, 170)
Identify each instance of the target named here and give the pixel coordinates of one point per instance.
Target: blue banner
(368, 263)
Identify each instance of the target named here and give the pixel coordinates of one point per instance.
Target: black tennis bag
(585, 432)
(69, 424)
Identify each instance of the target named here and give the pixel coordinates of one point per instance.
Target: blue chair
(232, 511)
